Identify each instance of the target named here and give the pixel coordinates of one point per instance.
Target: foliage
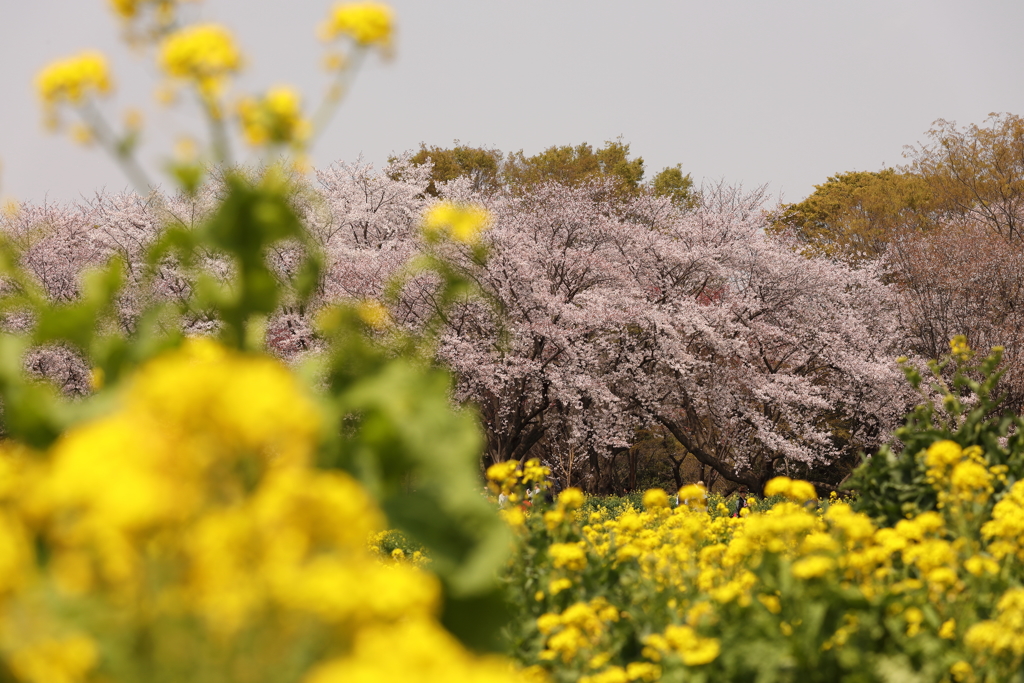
(855, 216)
(904, 479)
(976, 173)
(490, 171)
(204, 511)
(670, 182)
(481, 166)
(574, 166)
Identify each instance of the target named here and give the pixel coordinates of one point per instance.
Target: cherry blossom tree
(768, 360)
(602, 316)
(963, 279)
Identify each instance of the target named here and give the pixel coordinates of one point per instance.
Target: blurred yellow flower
(693, 493)
(571, 498)
(10, 209)
(948, 629)
(655, 499)
(126, 9)
(72, 80)
(567, 555)
(274, 119)
(64, 660)
(812, 567)
(82, 134)
(463, 223)
(959, 347)
(367, 23)
(793, 489)
(961, 671)
(204, 54)
(942, 454)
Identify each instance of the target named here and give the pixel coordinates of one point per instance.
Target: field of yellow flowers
(805, 590)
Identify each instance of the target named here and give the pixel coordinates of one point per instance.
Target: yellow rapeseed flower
(693, 649)
(959, 348)
(74, 79)
(367, 23)
(812, 567)
(961, 671)
(274, 119)
(126, 9)
(693, 493)
(948, 629)
(461, 222)
(793, 489)
(939, 458)
(374, 314)
(571, 498)
(204, 54)
(568, 556)
(66, 659)
(655, 499)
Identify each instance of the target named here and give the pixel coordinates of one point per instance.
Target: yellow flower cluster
(655, 498)
(74, 79)
(510, 479)
(577, 631)
(366, 23)
(129, 10)
(959, 348)
(195, 509)
(204, 54)
(683, 642)
(572, 556)
(1004, 635)
(704, 575)
(1005, 530)
(276, 119)
(793, 489)
(961, 477)
(693, 495)
(461, 222)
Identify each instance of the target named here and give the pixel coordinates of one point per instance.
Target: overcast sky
(784, 92)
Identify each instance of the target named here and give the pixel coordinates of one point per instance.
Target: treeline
(628, 332)
(490, 170)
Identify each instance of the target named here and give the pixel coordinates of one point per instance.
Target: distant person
(742, 502)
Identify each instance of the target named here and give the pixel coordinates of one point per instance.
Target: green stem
(109, 140)
(219, 142)
(336, 93)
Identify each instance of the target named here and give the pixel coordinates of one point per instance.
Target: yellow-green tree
(976, 173)
(853, 216)
(480, 164)
(576, 165)
(670, 182)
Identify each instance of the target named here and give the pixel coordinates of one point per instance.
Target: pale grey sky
(785, 92)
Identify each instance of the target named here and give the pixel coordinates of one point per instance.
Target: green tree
(671, 183)
(576, 165)
(482, 165)
(853, 216)
(489, 169)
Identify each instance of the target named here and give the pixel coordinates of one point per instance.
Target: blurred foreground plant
(207, 513)
(901, 482)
